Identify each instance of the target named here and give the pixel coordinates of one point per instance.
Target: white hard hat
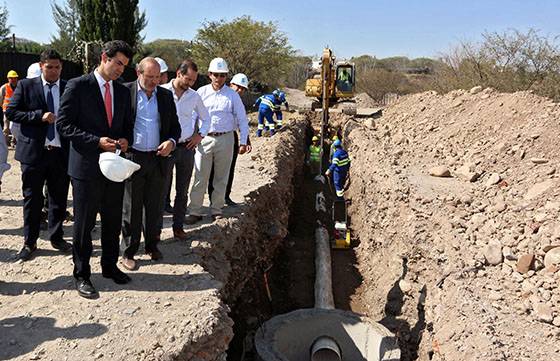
(241, 80)
(34, 71)
(116, 168)
(218, 65)
(162, 65)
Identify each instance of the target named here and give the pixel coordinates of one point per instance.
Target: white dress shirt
(227, 112)
(55, 142)
(189, 106)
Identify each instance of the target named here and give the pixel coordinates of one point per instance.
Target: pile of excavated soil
(176, 309)
(363, 100)
(456, 205)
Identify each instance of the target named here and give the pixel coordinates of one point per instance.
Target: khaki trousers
(214, 151)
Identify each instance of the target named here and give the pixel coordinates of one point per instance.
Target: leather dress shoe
(118, 276)
(154, 254)
(61, 245)
(86, 289)
(192, 219)
(128, 263)
(230, 203)
(179, 234)
(25, 253)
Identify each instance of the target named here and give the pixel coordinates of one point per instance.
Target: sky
(381, 28)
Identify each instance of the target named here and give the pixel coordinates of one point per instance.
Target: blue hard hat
(337, 143)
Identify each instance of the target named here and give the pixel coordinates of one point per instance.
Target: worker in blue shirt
(280, 99)
(340, 164)
(269, 105)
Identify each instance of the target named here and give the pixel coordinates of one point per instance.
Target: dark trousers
(142, 197)
(231, 169)
(92, 196)
(52, 170)
(183, 160)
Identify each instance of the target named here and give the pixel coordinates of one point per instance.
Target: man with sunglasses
(227, 114)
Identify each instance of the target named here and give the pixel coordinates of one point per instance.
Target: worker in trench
(314, 156)
(340, 164)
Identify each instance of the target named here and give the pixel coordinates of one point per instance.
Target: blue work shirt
(146, 124)
(340, 161)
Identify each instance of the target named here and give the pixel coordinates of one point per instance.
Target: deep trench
(291, 277)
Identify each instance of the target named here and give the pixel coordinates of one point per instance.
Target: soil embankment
(455, 204)
(172, 310)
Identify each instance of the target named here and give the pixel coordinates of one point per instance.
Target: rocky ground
(172, 310)
(455, 204)
(454, 213)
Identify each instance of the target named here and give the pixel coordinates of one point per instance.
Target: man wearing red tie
(95, 116)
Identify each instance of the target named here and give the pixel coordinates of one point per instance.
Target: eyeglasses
(219, 75)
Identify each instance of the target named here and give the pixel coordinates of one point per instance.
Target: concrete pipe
(290, 337)
(325, 349)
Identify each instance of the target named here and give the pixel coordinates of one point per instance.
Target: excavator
(330, 80)
(334, 82)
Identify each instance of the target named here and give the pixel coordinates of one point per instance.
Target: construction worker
(332, 148)
(340, 164)
(269, 105)
(163, 68)
(281, 99)
(315, 154)
(6, 93)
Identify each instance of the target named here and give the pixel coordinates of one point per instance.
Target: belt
(51, 147)
(217, 134)
(143, 151)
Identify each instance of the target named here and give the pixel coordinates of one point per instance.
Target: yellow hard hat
(315, 138)
(12, 74)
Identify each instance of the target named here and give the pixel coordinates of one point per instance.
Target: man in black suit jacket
(95, 116)
(156, 132)
(42, 152)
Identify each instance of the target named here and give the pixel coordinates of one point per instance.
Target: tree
(5, 29)
(67, 18)
(297, 74)
(173, 51)
(255, 48)
(508, 62)
(104, 20)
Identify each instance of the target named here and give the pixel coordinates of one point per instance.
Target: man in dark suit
(95, 116)
(156, 133)
(42, 152)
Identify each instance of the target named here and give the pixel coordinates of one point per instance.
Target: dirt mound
(363, 100)
(455, 265)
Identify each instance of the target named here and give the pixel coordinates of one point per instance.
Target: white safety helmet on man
(241, 80)
(34, 71)
(218, 65)
(116, 168)
(162, 65)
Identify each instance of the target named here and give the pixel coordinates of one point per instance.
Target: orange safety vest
(7, 96)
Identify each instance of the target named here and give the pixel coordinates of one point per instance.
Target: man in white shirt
(187, 101)
(227, 113)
